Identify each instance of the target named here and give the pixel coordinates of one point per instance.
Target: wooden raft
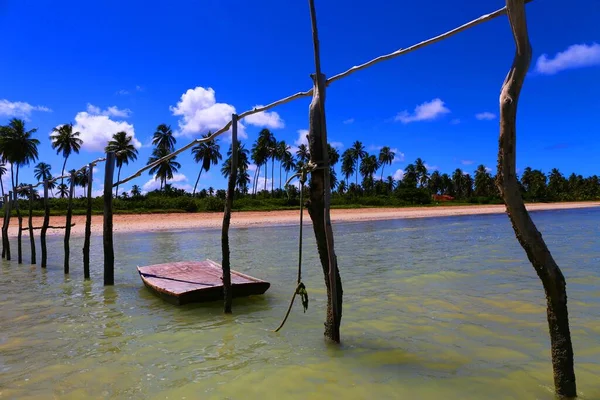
(196, 281)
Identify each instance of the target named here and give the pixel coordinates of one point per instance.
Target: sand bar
(163, 222)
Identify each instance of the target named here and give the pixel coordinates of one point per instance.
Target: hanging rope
(300, 288)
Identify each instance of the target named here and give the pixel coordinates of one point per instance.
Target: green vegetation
(361, 184)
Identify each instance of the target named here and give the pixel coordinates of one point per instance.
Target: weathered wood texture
(68, 224)
(226, 265)
(88, 224)
(45, 226)
(107, 237)
(7, 224)
(196, 281)
(320, 193)
(30, 225)
(5, 216)
(20, 229)
(525, 230)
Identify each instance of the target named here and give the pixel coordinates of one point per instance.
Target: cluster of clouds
(199, 112)
(179, 181)
(19, 109)
(575, 56)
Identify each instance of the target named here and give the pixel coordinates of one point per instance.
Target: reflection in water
(433, 308)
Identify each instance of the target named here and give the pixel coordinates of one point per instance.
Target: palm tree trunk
(279, 175)
(2, 185)
(118, 179)
(382, 167)
(357, 172)
(63, 170)
(12, 175)
(272, 174)
(266, 172)
(197, 180)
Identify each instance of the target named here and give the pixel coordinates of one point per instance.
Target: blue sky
(133, 65)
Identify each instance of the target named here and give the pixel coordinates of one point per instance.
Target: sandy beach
(159, 222)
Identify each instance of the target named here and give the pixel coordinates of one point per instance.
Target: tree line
(361, 178)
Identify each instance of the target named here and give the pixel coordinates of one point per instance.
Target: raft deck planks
(196, 281)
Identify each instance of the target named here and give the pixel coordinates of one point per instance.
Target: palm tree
(483, 182)
(63, 190)
(125, 152)
(65, 141)
(206, 153)
(283, 154)
(259, 156)
(288, 163)
(386, 157)
(266, 143)
(163, 137)
(410, 177)
(358, 153)
(347, 164)
(242, 167)
(164, 170)
(435, 182)
(136, 191)
(458, 182)
(421, 170)
(17, 146)
(303, 153)
(41, 172)
(368, 166)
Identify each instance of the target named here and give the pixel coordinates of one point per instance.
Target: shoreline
(247, 219)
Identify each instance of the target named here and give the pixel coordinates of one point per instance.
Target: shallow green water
(433, 308)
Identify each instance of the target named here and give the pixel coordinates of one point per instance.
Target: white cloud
(337, 145)
(200, 113)
(252, 167)
(575, 56)
(424, 112)
(398, 175)
(261, 184)
(486, 115)
(266, 119)
(455, 121)
(112, 111)
(19, 109)
(302, 137)
(179, 181)
(466, 162)
(97, 130)
(431, 167)
(349, 121)
(487, 169)
(123, 92)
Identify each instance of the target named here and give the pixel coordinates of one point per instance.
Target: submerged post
(320, 192)
(68, 223)
(45, 225)
(526, 232)
(88, 224)
(109, 252)
(7, 224)
(226, 265)
(20, 231)
(5, 209)
(30, 223)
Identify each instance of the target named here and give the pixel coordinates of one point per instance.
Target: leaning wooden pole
(30, 225)
(320, 192)
(45, 225)
(20, 229)
(88, 224)
(226, 265)
(7, 224)
(68, 223)
(5, 209)
(109, 251)
(526, 232)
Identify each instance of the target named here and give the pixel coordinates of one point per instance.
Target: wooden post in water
(31, 238)
(45, 226)
(109, 251)
(68, 223)
(227, 216)
(6, 225)
(320, 192)
(20, 231)
(5, 209)
(88, 225)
